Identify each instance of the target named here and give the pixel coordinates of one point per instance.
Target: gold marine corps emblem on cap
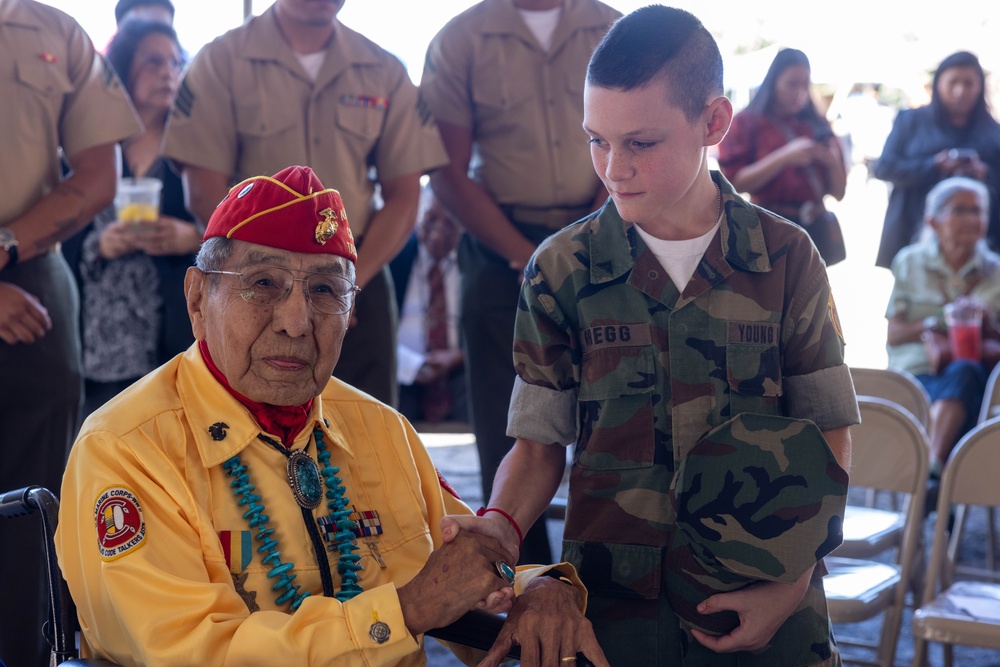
(327, 227)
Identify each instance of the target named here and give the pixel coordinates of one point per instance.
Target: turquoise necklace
(348, 562)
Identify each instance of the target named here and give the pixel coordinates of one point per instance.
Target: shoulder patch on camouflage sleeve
(119, 523)
(832, 307)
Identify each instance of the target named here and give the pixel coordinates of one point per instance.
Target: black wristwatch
(9, 243)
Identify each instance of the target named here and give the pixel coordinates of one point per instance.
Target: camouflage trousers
(647, 633)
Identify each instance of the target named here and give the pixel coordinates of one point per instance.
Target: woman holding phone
(783, 153)
(954, 135)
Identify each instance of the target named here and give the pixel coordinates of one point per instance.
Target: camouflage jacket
(611, 356)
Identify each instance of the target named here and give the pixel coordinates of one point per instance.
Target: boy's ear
(718, 116)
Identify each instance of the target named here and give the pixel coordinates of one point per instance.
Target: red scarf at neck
(286, 421)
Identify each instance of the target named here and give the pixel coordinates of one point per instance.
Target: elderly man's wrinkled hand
(459, 576)
(546, 622)
(491, 525)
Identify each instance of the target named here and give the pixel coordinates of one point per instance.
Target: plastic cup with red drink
(965, 329)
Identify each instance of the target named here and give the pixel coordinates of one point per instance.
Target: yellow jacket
(156, 551)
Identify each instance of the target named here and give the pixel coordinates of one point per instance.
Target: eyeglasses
(963, 210)
(267, 286)
(155, 61)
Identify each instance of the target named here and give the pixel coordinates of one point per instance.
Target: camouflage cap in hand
(759, 498)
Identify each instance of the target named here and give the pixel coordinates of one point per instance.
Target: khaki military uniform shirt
(486, 71)
(246, 107)
(57, 92)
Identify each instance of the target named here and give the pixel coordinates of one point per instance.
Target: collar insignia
(218, 430)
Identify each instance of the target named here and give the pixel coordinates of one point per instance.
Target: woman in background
(951, 264)
(132, 275)
(782, 152)
(955, 135)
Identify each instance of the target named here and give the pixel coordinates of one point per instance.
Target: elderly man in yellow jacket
(239, 506)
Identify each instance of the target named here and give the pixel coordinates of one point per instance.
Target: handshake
(473, 569)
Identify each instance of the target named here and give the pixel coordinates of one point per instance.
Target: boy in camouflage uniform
(711, 422)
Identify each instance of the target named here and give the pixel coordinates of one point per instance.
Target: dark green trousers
(40, 393)
(489, 295)
(647, 633)
(368, 356)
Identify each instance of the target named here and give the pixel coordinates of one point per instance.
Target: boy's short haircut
(657, 40)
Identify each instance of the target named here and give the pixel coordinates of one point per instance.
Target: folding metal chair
(889, 453)
(869, 531)
(961, 612)
(899, 387)
(989, 409)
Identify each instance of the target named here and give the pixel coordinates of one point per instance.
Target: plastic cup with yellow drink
(137, 201)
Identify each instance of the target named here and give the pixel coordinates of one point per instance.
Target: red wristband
(520, 536)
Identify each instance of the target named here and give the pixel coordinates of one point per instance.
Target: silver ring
(505, 571)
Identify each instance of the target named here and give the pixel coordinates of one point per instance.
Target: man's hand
(492, 524)
(23, 319)
(459, 576)
(547, 624)
(439, 363)
(762, 608)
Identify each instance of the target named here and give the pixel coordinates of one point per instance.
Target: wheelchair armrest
(478, 629)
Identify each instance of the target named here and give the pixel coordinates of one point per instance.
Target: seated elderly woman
(951, 264)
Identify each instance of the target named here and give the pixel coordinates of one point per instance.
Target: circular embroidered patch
(119, 523)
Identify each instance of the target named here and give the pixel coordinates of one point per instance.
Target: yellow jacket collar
(222, 426)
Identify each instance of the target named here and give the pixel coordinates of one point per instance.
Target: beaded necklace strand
(348, 563)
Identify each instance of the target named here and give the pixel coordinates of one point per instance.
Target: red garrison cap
(290, 210)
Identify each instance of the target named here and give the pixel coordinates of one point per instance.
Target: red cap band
(290, 210)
